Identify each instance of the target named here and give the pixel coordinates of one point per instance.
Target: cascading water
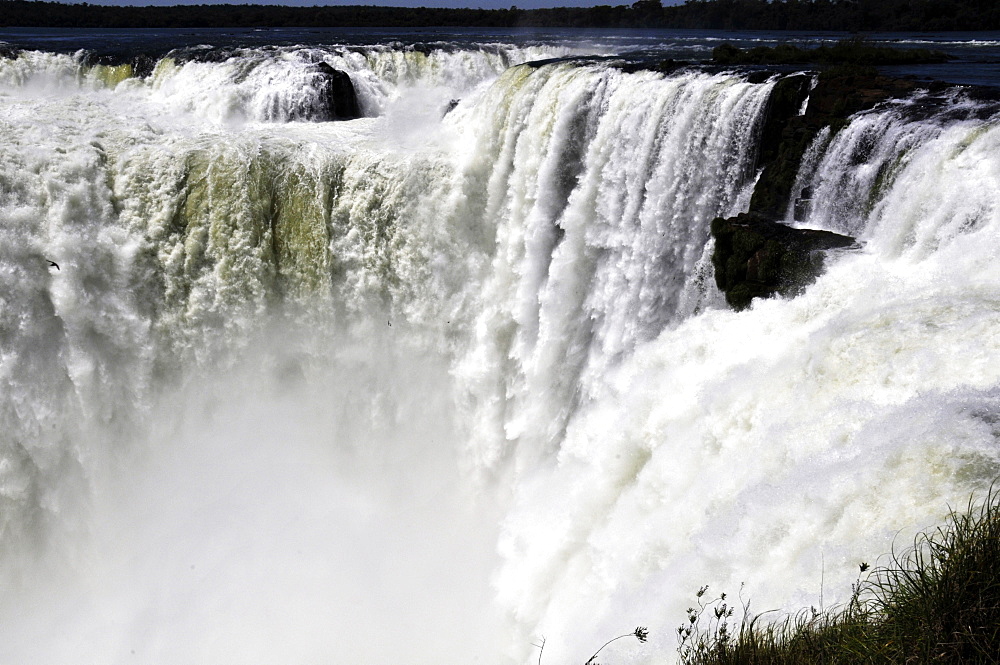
(774, 450)
(594, 181)
(232, 424)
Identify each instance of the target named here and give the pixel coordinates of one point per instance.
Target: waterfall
(767, 453)
(601, 187)
(437, 381)
(279, 84)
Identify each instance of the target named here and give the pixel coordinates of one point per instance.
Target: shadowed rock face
(338, 91)
(756, 257)
(785, 135)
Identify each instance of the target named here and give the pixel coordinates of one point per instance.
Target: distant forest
(848, 15)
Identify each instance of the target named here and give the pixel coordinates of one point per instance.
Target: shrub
(857, 52)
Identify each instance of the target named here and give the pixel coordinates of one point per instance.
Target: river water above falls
(438, 381)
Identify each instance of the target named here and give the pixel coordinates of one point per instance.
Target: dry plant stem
(640, 633)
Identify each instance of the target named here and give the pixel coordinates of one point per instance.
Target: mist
(270, 516)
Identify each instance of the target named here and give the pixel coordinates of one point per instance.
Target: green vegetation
(939, 602)
(849, 15)
(856, 52)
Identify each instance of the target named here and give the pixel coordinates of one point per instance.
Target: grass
(937, 603)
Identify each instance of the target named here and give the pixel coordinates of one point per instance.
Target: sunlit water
(428, 386)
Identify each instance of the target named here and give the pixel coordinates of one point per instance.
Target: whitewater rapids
(430, 386)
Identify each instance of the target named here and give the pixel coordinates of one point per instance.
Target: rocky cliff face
(757, 256)
(833, 96)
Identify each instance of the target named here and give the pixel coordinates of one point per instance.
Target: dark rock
(451, 106)
(142, 64)
(202, 54)
(843, 91)
(670, 66)
(757, 257)
(758, 76)
(785, 135)
(781, 143)
(800, 209)
(341, 99)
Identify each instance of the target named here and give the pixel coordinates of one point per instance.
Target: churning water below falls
(428, 386)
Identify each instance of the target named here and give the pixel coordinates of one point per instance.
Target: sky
(475, 4)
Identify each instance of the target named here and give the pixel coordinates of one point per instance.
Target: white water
(429, 389)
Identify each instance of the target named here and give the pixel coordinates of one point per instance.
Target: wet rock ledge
(757, 257)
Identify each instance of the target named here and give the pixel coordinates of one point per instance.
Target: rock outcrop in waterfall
(757, 254)
(757, 257)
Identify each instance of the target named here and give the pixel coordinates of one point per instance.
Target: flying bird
(53, 264)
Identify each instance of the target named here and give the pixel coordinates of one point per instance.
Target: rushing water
(428, 385)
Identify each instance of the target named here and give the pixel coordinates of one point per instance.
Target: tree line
(845, 15)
